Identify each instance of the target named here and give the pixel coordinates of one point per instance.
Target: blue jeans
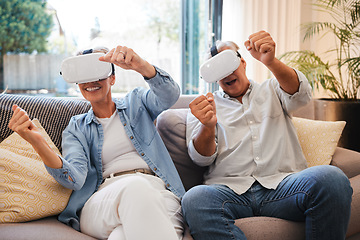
(320, 196)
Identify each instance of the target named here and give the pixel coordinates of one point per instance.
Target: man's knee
(193, 196)
(330, 180)
(199, 197)
(329, 175)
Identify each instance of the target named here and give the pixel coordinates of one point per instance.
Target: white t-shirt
(118, 153)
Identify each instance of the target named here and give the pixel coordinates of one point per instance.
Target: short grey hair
(222, 44)
(100, 49)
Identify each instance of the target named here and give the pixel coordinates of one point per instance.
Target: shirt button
(124, 124)
(257, 158)
(131, 137)
(167, 185)
(142, 154)
(251, 122)
(155, 169)
(254, 137)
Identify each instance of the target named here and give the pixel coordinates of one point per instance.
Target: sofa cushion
(269, 228)
(53, 113)
(27, 191)
(318, 139)
(171, 125)
(43, 229)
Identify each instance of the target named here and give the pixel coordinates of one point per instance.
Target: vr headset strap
(87, 51)
(213, 50)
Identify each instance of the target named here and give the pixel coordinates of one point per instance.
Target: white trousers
(133, 207)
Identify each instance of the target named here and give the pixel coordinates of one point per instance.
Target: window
(171, 34)
(201, 27)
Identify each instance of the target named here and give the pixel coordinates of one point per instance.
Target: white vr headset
(220, 65)
(85, 68)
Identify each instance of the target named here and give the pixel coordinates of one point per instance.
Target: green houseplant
(339, 76)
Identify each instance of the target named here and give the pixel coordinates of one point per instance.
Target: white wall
(281, 18)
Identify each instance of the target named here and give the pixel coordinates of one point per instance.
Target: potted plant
(340, 76)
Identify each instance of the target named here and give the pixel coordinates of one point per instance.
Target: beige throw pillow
(318, 139)
(27, 191)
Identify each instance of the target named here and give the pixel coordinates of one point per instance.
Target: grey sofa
(171, 126)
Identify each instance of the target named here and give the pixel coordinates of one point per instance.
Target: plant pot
(341, 110)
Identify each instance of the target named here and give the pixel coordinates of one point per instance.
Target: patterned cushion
(318, 139)
(53, 113)
(27, 191)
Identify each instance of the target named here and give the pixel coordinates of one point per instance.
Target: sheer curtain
(281, 18)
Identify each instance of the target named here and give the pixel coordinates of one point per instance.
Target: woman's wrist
(148, 71)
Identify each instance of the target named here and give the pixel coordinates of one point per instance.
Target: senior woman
(125, 183)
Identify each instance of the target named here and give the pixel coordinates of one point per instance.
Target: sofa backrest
(53, 113)
(171, 125)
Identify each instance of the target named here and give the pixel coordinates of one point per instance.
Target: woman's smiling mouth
(91, 89)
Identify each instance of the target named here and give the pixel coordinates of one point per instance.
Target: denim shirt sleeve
(73, 173)
(291, 103)
(163, 93)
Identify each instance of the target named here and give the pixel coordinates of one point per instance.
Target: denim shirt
(83, 140)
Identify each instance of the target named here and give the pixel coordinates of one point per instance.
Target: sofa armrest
(347, 160)
(354, 227)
